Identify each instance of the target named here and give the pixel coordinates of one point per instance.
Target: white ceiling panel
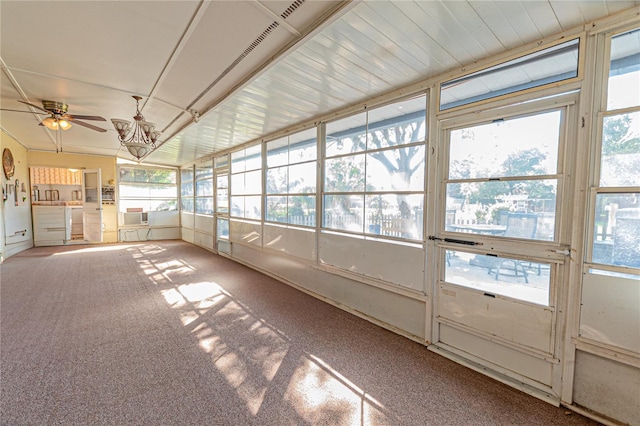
(211, 49)
(114, 44)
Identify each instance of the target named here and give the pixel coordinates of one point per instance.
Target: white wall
(16, 233)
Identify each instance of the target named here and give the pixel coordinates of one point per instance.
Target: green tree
(619, 137)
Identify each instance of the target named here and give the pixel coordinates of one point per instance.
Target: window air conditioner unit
(136, 218)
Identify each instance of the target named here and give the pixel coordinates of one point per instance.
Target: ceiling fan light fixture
(140, 139)
(54, 123)
(64, 124)
(50, 123)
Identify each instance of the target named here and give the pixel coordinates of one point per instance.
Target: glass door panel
(221, 209)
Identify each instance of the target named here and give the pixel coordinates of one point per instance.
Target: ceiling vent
(288, 11)
(296, 4)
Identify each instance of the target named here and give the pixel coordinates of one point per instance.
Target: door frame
(554, 252)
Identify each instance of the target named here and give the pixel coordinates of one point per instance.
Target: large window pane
(187, 204)
(149, 205)
(246, 183)
(153, 191)
(303, 146)
(222, 200)
(624, 71)
(204, 205)
(204, 172)
(344, 212)
(277, 180)
(253, 157)
(186, 189)
(252, 207)
(397, 124)
(516, 278)
(344, 174)
(253, 182)
(395, 215)
(546, 66)
(276, 209)
(222, 228)
(165, 176)
(620, 164)
(237, 184)
(278, 152)
(617, 229)
(381, 162)
(346, 135)
(222, 193)
(525, 146)
(500, 208)
(302, 178)
(247, 207)
(301, 210)
(204, 188)
(383, 177)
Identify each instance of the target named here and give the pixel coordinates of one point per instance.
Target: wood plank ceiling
(217, 74)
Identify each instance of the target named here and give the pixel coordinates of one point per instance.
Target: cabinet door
(49, 225)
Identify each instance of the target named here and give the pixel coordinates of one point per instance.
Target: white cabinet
(51, 224)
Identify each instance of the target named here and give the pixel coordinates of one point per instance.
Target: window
(246, 183)
(616, 198)
(149, 189)
(204, 188)
(374, 171)
(186, 189)
(291, 179)
(503, 177)
(550, 65)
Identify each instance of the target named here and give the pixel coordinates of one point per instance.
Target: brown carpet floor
(168, 333)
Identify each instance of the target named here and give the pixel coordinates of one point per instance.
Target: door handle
(455, 241)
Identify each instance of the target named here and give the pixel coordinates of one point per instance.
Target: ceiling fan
(59, 119)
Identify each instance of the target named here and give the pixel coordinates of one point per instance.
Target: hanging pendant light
(140, 139)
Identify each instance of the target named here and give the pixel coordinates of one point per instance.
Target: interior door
(502, 255)
(92, 205)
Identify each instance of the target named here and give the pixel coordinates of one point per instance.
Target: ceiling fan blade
(85, 117)
(87, 125)
(17, 110)
(34, 106)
